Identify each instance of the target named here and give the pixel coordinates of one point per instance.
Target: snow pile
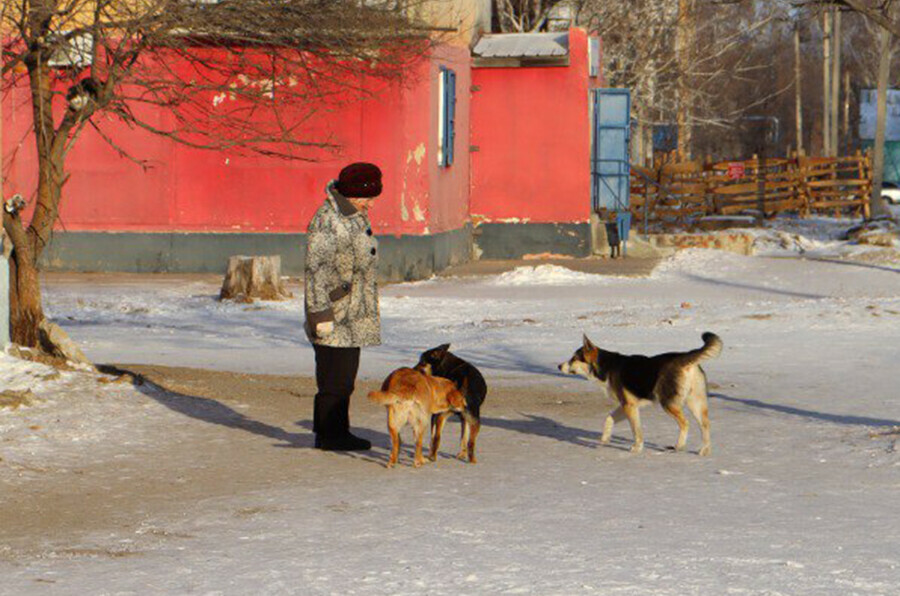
(781, 243)
(778, 243)
(814, 237)
(22, 375)
(697, 260)
(547, 275)
(788, 236)
(72, 418)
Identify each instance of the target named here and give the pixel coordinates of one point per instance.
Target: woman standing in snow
(342, 299)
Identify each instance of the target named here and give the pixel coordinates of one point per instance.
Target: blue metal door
(610, 169)
(610, 166)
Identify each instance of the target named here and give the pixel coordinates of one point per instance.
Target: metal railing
(659, 190)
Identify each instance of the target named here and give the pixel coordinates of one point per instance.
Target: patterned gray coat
(341, 268)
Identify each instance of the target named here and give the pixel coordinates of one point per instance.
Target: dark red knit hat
(361, 180)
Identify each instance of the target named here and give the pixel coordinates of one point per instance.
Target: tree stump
(253, 277)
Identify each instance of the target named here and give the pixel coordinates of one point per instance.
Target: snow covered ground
(799, 496)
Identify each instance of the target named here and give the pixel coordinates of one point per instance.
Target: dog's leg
(437, 426)
(464, 432)
(697, 404)
(674, 409)
(419, 424)
(616, 415)
(394, 431)
(474, 425)
(634, 418)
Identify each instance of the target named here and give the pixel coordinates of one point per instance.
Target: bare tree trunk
(826, 83)
(50, 153)
(683, 46)
(637, 151)
(835, 80)
(877, 207)
(845, 129)
(798, 88)
(761, 184)
(26, 313)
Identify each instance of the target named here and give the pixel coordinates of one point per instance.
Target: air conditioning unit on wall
(76, 52)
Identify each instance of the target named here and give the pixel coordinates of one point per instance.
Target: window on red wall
(446, 117)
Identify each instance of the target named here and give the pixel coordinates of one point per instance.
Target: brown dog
(412, 396)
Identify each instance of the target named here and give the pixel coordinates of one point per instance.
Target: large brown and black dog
(674, 379)
(441, 362)
(413, 396)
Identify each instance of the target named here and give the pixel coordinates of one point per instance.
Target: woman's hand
(325, 329)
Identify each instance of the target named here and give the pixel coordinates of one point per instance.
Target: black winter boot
(343, 442)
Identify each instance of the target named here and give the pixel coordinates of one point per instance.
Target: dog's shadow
(844, 419)
(533, 424)
(380, 452)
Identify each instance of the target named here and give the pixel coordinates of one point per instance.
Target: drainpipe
(4, 264)
(4, 297)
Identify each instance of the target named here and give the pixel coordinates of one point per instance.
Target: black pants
(335, 377)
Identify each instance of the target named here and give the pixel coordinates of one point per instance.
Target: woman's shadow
(212, 411)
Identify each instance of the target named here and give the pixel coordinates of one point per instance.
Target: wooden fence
(681, 193)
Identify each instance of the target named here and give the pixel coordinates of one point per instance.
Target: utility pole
(877, 207)
(835, 79)
(826, 83)
(798, 89)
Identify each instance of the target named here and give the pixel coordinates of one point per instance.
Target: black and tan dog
(674, 379)
(440, 362)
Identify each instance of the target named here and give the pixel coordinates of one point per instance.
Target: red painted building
(531, 137)
(519, 172)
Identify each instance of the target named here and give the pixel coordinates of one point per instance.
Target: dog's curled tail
(385, 398)
(712, 347)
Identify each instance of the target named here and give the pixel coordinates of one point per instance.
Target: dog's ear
(443, 347)
(588, 344)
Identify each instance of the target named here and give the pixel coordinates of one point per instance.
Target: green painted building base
(516, 241)
(402, 257)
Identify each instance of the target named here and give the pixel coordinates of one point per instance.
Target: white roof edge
(522, 45)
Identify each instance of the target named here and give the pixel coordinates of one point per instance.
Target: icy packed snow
(799, 496)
